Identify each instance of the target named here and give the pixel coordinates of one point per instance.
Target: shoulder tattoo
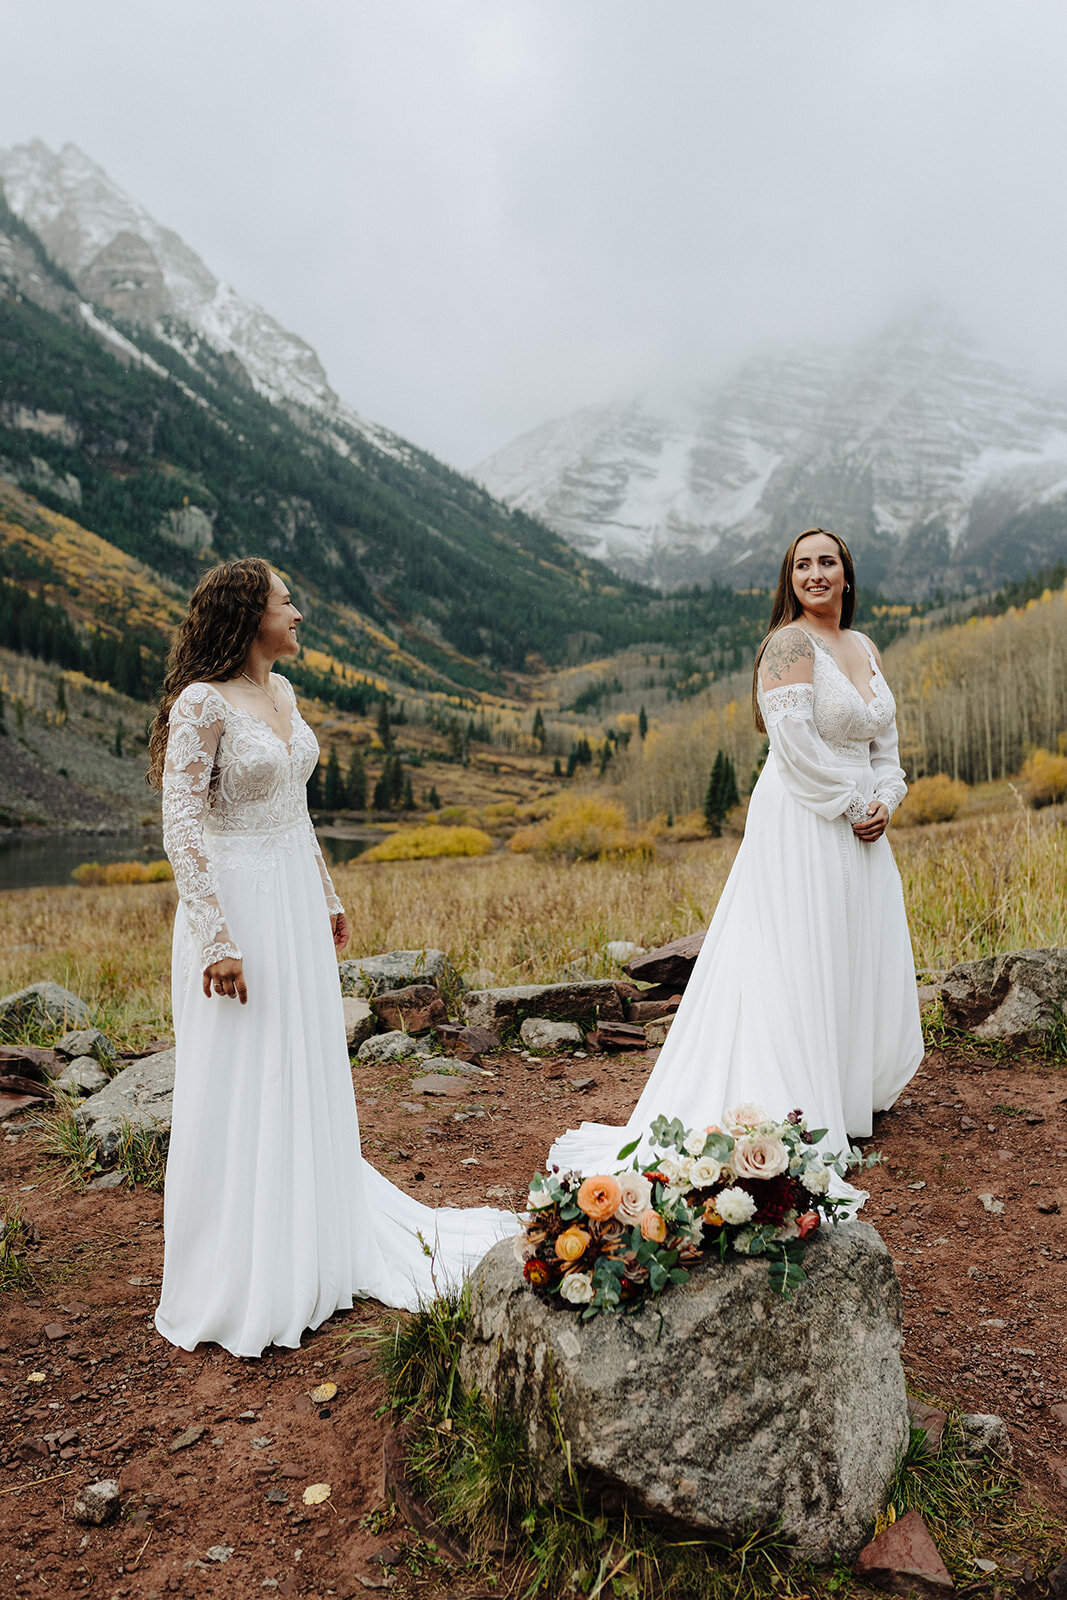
(785, 647)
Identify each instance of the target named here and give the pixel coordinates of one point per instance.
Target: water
(42, 861)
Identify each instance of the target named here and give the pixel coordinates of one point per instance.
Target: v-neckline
(825, 648)
(286, 744)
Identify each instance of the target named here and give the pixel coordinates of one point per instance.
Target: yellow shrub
(582, 828)
(418, 844)
(1045, 776)
(91, 874)
(936, 799)
(465, 816)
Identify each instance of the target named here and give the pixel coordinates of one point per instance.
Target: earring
(846, 588)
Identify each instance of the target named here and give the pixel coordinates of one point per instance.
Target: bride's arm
(195, 727)
(891, 784)
(338, 920)
(807, 765)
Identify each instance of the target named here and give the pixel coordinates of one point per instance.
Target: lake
(34, 860)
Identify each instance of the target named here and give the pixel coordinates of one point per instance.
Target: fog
(484, 213)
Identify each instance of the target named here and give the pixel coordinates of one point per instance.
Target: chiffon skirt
(272, 1219)
(803, 995)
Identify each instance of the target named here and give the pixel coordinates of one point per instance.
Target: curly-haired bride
(272, 1219)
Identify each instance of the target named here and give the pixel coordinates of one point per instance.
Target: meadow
(992, 880)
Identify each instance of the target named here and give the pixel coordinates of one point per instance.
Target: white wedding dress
(803, 995)
(272, 1219)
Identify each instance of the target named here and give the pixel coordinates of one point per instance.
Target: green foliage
(15, 1235)
(333, 793)
(356, 781)
(722, 793)
(538, 729)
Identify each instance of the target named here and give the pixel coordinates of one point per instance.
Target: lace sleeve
(891, 785)
(196, 722)
(804, 759)
(333, 904)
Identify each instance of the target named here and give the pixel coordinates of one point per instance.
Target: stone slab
(43, 1005)
(141, 1095)
(501, 1009)
(905, 1560)
(370, 975)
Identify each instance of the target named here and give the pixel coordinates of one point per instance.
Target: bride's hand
(339, 924)
(226, 977)
(874, 824)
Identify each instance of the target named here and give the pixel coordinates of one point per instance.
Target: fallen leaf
(324, 1392)
(36, 1377)
(316, 1493)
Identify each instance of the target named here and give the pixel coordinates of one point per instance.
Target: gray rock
(83, 1076)
(986, 1435)
(574, 1002)
(622, 950)
(360, 1021)
(395, 1046)
(442, 1085)
(97, 1503)
(140, 1095)
(375, 974)
(541, 1033)
(1018, 997)
(42, 1005)
(88, 1042)
(735, 1409)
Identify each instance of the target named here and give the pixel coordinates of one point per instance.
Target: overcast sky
(484, 213)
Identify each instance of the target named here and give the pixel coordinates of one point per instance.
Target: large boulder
(140, 1096)
(670, 963)
(372, 975)
(42, 1005)
(501, 1009)
(721, 1408)
(1019, 997)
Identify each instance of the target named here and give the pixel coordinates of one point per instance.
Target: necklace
(261, 689)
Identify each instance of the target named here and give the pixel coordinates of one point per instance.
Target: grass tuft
(15, 1235)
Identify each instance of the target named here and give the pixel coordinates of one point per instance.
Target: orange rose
(653, 1227)
(599, 1197)
(807, 1223)
(711, 1215)
(570, 1246)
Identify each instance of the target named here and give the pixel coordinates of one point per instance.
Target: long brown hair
(212, 642)
(787, 608)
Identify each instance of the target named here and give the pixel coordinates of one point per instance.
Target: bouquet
(757, 1187)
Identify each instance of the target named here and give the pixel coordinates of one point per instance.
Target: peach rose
(745, 1116)
(711, 1213)
(653, 1227)
(807, 1223)
(635, 1192)
(599, 1197)
(759, 1156)
(570, 1246)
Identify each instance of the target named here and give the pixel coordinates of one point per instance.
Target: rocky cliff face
(935, 462)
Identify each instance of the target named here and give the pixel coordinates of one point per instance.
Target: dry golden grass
(91, 874)
(423, 844)
(581, 827)
(935, 799)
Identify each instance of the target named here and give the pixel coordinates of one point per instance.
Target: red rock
(905, 1560)
(929, 1420)
(671, 963)
(649, 1010)
(54, 1330)
(416, 1008)
(617, 1036)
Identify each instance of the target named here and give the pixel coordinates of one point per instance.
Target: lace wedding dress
(803, 994)
(272, 1219)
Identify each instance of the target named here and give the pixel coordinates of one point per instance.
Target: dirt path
(214, 1453)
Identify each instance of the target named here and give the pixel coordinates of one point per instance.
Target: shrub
(1045, 776)
(582, 828)
(91, 874)
(936, 799)
(417, 844)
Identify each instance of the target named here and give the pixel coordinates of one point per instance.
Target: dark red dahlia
(774, 1196)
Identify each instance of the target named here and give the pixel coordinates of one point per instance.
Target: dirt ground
(213, 1453)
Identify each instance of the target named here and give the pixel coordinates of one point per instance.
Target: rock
(140, 1095)
(622, 950)
(1018, 997)
(108, 1180)
(416, 1008)
(656, 1032)
(671, 963)
(30, 1061)
(774, 1410)
(986, 1435)
(42, 1005)
(651, 1010)
(618, 1036)
(375, 974)
(443, 1085)
(191, 1436)
(360, 1021)
(468, 1042)
(500, 1009)
(97, 1503)
(1057, 1581)
(930, 1421)
(88, 1042)
(83, 1076)
(395, 1046)
(541, 1033)
(905, 1560)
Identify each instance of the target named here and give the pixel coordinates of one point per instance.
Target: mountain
(939, 465)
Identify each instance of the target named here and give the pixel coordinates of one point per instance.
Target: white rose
(539, 1200)
(635, 1198)
(816, 1178)
(759, 1155)
(676, 1170)
(694, 1144)
(577, 1287)
(704, 1172)
(735, 1206)
(745, 1116)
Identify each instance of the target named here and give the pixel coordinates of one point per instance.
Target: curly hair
(212, 642)
(787, 608)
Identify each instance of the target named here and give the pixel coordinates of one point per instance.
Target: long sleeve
(805, 761)
(333, 904)
(195, 727)
(891, 785)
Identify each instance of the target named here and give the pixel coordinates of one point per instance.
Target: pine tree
(314, 788)
(380, 797)
(119, 734)
(385, 732)
(396, 779)
(333, 789)
(409, 797)
(714, 809)
(356, 782)
(605, 756)
(557, 770)
(642, 722)
(434, 798)
(539, 728)
(731, 794)
(61, 700)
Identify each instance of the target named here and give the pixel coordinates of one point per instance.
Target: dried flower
(536, 1272)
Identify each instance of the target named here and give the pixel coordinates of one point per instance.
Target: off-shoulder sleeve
(333, 904)
(195, 726)
(890, 784)
(808, 767)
